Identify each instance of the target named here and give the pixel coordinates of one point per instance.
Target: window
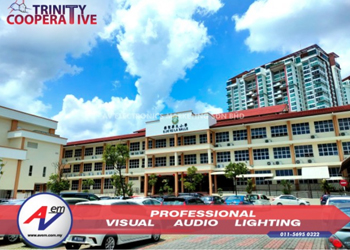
(222, 137)
(261, 154)
(285, 172)
(327, 149)
(87, 167)
(240, 135)
(334, 172)
(324, 126)
(346, 148)
(190, 159)
(30, 170)
(281, 153)
(32, 145)
(77, 153)
(75, 185)
(344, 124)
(190, 140)
(99, 150)
(98, 166)
(204, 139)
(150, 144)
(143, 145)
(172, 160)
(97, 184)
(76, 168)
(67, 170)
(179, 141)
(134, 163)
(301, 128)
(143, 163)
(109, 167)
(68, 154)
(149, 162)
(133, 178)
(171, 142)
(108, 184)
(258, 133)
(242, 155)
(223, 156)
(161, 143)
(44, 171)
(160, 161)
(134, 146)
(278, 131)
(89, 151)
(304, 151)
(261, 180)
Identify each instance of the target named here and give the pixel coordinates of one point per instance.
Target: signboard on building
(179, 123)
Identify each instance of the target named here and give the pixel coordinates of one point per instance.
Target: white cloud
(159, 40)
(33, 54)
(290, 25)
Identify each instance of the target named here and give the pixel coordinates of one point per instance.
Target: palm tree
(117, 157)
(232, 170)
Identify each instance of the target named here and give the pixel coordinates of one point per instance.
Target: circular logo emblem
(175, 119)
(44, 220)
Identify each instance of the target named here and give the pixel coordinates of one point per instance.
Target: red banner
(123, 219)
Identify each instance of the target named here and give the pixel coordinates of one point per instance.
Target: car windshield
(236, 198)
(337, 202)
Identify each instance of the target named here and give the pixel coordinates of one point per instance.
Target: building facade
(28, 147)
(346, 90)
(305, 80)
(274, 143)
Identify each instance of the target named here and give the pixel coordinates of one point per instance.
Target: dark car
(183, 200)
(198, 195)
(213, 200)
(341, 239)
(88, 196)
(324, 198)
(237, 200)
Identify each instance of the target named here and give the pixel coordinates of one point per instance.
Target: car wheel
(279, 204)
(155, 237)
(72, 246)
(302, 204)
(109, 242)
(11, 238)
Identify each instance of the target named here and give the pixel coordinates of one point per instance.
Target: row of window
(97, 184)
(87, 152)
(327, 149)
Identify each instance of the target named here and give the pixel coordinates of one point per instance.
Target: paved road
(214, 242)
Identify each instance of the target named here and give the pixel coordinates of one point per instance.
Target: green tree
(117, 156)
(152, 180)
(87, 183)
(250, 186)
(232, 170)
(57, 182)
(166, 186)
(326, 187)
(287, 186)
(192, 179)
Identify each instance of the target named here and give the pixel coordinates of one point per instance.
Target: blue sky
(154, 56)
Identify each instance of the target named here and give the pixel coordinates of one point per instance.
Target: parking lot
(213, 242)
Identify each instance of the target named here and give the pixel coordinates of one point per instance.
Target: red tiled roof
(346, 78)
(272, 117)
(105, 139)
(252, 112)
(141, 130)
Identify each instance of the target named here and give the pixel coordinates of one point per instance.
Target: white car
(288, 200)
(338, 201)
(102, 241)
(258, 199)
(10, 238)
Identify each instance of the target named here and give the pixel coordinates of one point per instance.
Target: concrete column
(146, 185)
(214, 138)
(175, 140)
(290, 132)
(340, 150)
(182, 158)
(251, 157)
(335, 125)
(292, 153)
(176, 180)
(146, 161)
(102, 185)
(153, 190)
(208, 136)
(146, 143)
(14, 125)
(176, 159)
(80, 185)
(296, 182)
(209, 156)
(214, 158)
(82, 152)
(210, 183)
(249, 135)
(253, 179)
(153, 161)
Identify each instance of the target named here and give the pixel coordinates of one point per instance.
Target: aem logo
(41, 214)
(44, 220)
